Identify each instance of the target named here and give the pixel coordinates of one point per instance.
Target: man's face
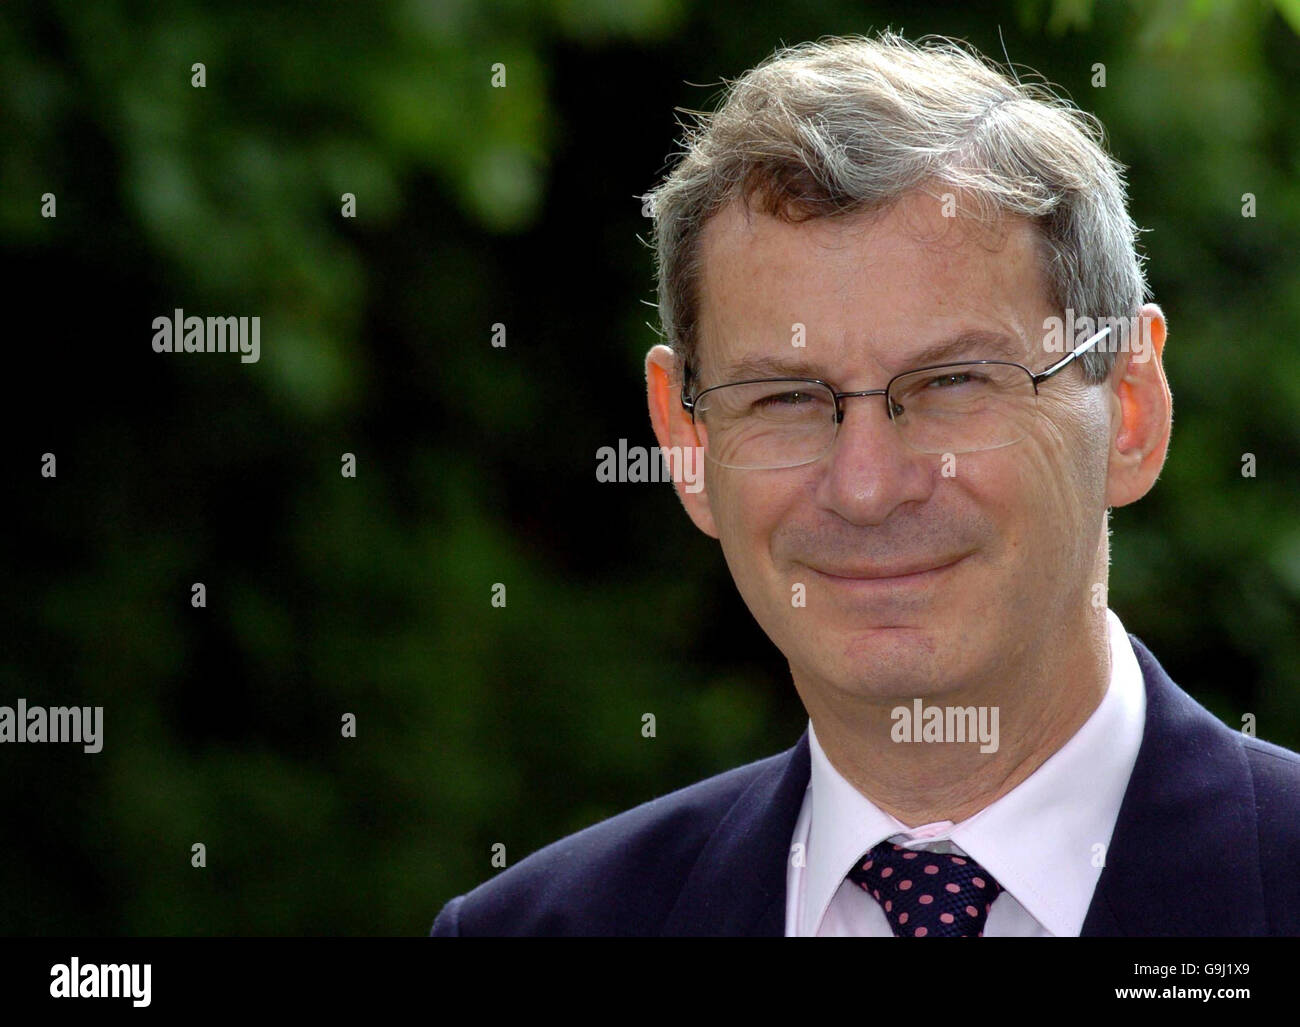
(1019, 528)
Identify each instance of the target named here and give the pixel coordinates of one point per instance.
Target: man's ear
(1141, 412)
(675, 432)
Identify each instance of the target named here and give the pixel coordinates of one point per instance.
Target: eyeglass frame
(689, 402)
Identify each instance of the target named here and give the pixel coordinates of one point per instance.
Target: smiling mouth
(900, 576)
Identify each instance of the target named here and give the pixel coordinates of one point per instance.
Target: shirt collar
(1044, 841)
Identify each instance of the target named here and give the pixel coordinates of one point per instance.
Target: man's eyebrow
(769, 367)
(973, 344)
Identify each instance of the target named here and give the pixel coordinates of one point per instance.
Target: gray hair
(849, 124)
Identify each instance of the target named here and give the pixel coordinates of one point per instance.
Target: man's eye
(948, 381)
(786, 399)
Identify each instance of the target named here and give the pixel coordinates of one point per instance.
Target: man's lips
(900, 573)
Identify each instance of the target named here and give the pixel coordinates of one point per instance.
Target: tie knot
(927, 894)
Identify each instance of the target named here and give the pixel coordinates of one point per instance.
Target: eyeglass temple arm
(687, 402)
(1078, 350)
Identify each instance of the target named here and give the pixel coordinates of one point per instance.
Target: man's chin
(885, 642)
(889, 661)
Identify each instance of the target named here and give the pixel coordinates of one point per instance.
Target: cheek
(1057, 496)
(1075, 448)
(736, 512)
(748, 507)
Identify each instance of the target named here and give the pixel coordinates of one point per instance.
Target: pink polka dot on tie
(972, 911)
(909, 855)
(886, 872)
(921, 932)
(932, 869)
(977, 881)
(925, 900)
(888, 905)
(954, 888)
(902, 918)
(867, 864)
(904, 885)
(876, 893)
(947, 918)
(959, 861)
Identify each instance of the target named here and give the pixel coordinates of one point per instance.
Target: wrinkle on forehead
(749, 258)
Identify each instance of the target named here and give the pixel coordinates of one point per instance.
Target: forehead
(881, 280)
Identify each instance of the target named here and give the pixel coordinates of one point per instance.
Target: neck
(1039, 706)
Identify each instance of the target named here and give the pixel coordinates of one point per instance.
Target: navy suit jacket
(1207, 844)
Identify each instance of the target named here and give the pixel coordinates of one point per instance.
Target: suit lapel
(1184, 855)
(1183, 858)
(737, 886)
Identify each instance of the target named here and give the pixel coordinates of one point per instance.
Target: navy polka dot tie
(927, 894)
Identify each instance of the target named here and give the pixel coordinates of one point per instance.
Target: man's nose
(870, 471)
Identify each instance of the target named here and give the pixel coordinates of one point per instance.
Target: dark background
(475, 205)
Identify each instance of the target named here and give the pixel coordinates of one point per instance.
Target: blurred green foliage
(478, 206)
